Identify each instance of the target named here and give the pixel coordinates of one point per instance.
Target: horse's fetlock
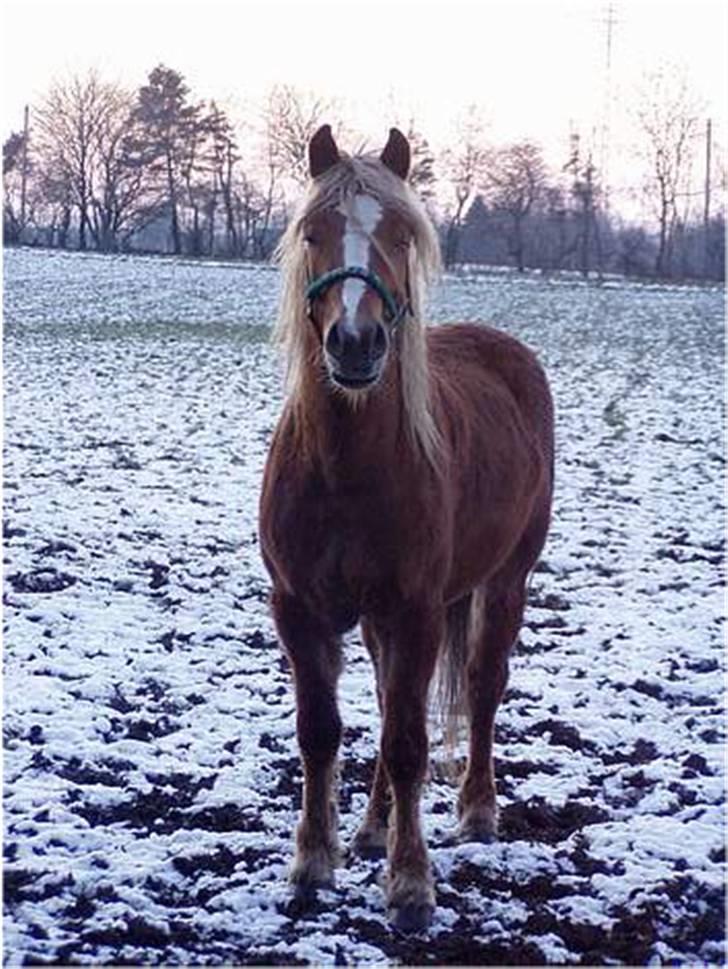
(478, 823)
(370, 841)
(476, 793)
(313, 866)
(411, 886)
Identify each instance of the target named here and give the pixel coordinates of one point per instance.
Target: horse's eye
(309, 240)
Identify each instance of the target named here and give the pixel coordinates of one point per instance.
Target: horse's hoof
(369, 852)
(479, 826)
(410, 901)
(369, 844)
(302, 901)
(306, 882)
(476, 834)
(412, 918)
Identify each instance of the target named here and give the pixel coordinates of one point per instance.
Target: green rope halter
(394, 311)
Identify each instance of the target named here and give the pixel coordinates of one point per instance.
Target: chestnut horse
(408, 488)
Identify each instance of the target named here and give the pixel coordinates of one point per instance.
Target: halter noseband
(394, 312)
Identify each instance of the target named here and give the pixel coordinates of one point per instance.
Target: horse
(407, 489)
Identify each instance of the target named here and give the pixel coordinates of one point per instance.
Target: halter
(394, 312)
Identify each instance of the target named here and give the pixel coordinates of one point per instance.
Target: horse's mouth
(354, 383)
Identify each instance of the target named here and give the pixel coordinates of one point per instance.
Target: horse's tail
(451, 668)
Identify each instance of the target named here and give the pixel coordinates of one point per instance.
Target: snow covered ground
(151, 772)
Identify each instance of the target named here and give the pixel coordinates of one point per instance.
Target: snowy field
(151, 772)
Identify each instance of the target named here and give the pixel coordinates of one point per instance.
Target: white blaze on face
(362, 214)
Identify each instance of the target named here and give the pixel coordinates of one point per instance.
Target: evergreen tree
(168, 124)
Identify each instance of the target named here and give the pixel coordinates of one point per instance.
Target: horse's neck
(349, 438)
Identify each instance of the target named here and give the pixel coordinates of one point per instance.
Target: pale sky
(534, 68)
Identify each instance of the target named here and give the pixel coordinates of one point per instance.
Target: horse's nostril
(333, 341)
(380, 341)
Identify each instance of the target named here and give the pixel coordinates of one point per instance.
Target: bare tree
(464, 168)
(68, 124)
(269, 195)
(668, 116)
(422, 176)
(515, 181)
(15, 215)
(124, 198)
(422, 167)
(585, 190)
(58, 204)
(555, 236)
(252, 208)
(224, 158)
(292, 117)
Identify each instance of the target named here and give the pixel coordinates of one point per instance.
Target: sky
(534, 69)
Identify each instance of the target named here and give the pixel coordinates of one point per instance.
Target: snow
(151, 774)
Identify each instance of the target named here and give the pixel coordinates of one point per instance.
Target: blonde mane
(363, 174)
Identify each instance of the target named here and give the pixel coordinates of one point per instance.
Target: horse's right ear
(322, 151)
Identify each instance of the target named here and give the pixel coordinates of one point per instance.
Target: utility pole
(24, 171)
(706, 209)
(609, 22)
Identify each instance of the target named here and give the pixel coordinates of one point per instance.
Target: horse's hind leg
(498, 617)
(497, 620)
(370, 840)
(315, 656)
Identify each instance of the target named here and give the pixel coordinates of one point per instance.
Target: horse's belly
(485, 542)
(476, 559)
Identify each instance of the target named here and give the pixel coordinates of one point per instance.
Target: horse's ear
(396, 153)
(322, 151)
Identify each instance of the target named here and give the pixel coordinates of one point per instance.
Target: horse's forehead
(363, 210)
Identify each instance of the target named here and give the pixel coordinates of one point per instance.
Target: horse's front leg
(315, 656)
(409, 654)
(487, 676)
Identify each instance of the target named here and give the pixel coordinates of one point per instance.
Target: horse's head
(357, 253)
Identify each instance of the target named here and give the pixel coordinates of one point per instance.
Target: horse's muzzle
(355, 354)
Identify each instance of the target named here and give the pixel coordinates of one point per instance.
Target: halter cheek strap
(394, 312)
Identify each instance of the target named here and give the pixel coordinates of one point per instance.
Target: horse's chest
(346, 537)
(339, 547)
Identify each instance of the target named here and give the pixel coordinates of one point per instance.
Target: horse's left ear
(396, 153)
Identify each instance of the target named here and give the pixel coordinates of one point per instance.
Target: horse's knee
(315, 657)
(319, 728)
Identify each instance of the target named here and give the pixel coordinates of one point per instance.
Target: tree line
(99, 167)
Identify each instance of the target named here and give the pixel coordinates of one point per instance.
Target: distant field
(151, 771)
